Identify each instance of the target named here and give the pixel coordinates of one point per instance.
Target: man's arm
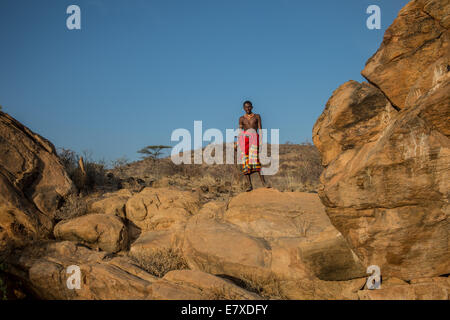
(260, 129)
(241, 123)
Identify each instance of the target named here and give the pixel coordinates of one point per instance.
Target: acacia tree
(153, 152)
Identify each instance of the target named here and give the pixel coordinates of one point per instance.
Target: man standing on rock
(249, 142)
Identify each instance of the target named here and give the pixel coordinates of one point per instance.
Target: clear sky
(138, 69)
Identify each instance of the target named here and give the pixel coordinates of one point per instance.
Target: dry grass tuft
(267, 286)
(160, 261)
(74, 206)
(222, 293)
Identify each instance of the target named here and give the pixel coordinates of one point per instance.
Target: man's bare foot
(249, 189)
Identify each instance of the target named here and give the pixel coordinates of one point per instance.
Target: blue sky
(138, 69)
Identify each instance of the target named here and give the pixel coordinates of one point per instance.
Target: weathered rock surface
(420, 289)
(266, 232)
(215, 288)
(345, 125)
(386, 183)
(417, 39)
(43, 266)
(322, 290)
(295, 226)
(151, 241)
(32, 183)
(221, 248)
(112, 203)
(102, 231)
(161, 208)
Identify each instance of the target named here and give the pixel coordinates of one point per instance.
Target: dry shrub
(191, 207)
(222, 293)
(96, 175)
(159, 262)
(267, 286)
(74, 206)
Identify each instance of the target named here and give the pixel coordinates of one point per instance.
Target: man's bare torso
(247, 123)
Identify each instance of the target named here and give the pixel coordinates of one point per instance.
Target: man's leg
(250, 187)
(263, 181)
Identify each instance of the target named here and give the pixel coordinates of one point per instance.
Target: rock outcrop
(413, 54)
(43, 267)
(270, 233)
(111, 203)
(33, 183)
(419, 289)
(386, 148)
(98, 231)
(161, 208)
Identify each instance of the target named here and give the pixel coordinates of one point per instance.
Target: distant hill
(299, 170)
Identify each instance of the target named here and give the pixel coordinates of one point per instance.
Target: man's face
(248, 108)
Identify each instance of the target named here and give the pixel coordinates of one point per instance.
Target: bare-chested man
(249, 141)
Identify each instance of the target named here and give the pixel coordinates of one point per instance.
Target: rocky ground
(383, 200)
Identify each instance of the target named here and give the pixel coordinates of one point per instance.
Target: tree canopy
(153, 151)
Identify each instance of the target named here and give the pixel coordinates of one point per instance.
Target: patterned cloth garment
(249, 144)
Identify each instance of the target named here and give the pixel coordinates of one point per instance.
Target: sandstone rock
(269, 213)
(161, 208)
(215, 287)
(112, 203)
(345, 124)
(417, 38)
(32, 183)
(43, 268)
(221, 248)
(106, 232)
(213, 209)
(325, 257)
(132, 183)
(322, 290)
(152, 241)
(425, 289)
(386, 183)
(302, 240)
(164, 290)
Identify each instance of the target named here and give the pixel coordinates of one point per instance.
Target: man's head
(248, 107)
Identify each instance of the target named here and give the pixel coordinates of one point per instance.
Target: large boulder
(386, 182)
(43, 268)
(209, 286)
(295, 226)
(220, 248)
(345, 125)
(102, 231)
(270, 236)
(33, 183)
(417, 39)
(111, 203)
(161, 208)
